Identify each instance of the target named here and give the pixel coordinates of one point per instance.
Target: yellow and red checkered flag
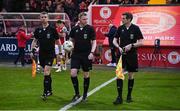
(119, 70)
(33, 68)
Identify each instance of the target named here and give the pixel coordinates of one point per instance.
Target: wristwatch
(132, 45)
(92, 52)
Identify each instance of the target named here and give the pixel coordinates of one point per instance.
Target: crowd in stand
(71, 7)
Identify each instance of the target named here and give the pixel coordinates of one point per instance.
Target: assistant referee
(127, 39)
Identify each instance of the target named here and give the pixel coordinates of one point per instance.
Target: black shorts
(81, 60)
(130, 62)
(46, 61)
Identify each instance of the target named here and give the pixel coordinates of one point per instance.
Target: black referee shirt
(46, 38)
(128, 36)
(82, 38)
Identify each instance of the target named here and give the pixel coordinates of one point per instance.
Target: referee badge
(48, 36)
(131, 36)
(85, 36)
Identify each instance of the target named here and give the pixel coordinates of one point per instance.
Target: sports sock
(50, 83)
(46, 83)
(130, 86)
(119, 87)
(86, 85)
(75, 84)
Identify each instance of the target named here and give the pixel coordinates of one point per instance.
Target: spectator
(22, 39)
(49, 6)
(110, 35)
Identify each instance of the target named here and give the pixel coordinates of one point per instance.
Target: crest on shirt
(85, 36)
(48, 36)
(122, 30)
(77, 30)
(40, 31)
(131, 36)
(49, 63)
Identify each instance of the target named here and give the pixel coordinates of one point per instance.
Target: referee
(84, 39)
(46, 36)
(127, 38)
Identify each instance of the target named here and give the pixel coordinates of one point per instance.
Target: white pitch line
(68, 106)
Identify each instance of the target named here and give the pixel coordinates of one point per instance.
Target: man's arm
(115, 42)
(33, 44)
(93, 46)
(134, 45)
(33, 47)
(138, 43)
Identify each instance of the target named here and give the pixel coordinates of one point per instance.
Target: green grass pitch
(153, 90)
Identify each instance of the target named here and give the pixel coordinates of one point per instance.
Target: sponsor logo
(107, 55)
(154, 22)
(105, 12)
(173, 57)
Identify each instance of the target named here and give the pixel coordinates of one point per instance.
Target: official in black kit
(46, 36)
(127, 38)
(84, 39)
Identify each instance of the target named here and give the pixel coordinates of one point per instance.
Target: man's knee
(131, 75)
(86, 74)
(47, 70)
(74, 72)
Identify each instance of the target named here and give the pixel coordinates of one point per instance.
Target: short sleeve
(36, 33)
(56, 34)
(71, 34)
(118, 32)
(93, 34)
(139, 34)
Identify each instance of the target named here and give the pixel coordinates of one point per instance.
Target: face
(83, 20)
(44, 18)
(60, 25)
(124, 20)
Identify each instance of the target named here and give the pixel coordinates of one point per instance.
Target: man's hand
(91, 56)
(128, 47)
(120, 50)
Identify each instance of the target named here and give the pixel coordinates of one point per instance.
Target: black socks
(130, 86)
(86, 86)
(47, 84)
(75, 84)
(119, 87)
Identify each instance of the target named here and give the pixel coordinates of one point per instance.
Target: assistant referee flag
(119, 70)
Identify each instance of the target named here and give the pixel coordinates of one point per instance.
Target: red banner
(166, 57)
(155, 22)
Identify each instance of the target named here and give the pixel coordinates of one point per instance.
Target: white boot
(64, 67)
(59, 69)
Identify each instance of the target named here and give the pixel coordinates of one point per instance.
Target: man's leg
(130, 86)
(47, 82)
(75, 83)
(22, 53)
(119, 100)
(113, 56)
(15, 62)
(86, 85)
